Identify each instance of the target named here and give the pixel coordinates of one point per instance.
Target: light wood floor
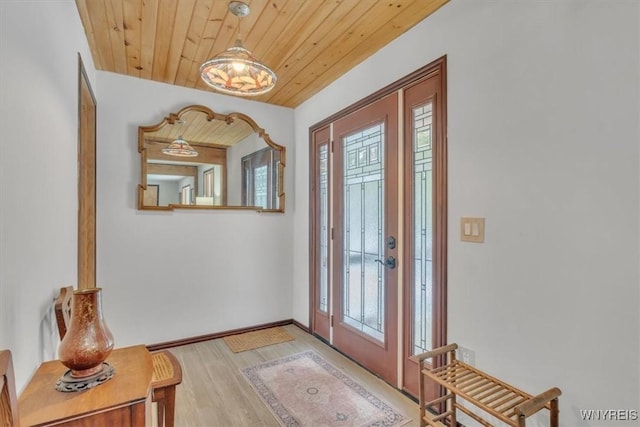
(214, 393)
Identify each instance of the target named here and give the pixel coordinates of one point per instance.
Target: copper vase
(88, 340)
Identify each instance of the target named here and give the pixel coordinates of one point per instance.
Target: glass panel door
(365, 217)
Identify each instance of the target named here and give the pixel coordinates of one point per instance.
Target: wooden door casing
(86, 181)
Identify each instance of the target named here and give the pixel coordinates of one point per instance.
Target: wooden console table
(124, 400)
(494, 397)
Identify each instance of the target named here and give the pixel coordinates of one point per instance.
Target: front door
(378, 227)
(365, 231)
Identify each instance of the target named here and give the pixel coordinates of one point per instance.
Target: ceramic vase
(88, 340)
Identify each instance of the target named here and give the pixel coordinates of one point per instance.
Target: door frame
(437, 66)
(87, 122)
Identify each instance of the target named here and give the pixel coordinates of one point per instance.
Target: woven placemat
(257, 339)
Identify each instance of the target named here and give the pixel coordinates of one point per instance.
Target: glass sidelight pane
(422, 228)
(363, 189)
(260, 186)
(323, 300)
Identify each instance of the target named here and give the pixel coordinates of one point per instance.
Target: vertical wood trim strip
(86, 181)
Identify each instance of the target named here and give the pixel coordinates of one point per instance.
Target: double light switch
(472, 229)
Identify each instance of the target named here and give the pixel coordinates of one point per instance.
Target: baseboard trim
(300, 325)
(216, 335)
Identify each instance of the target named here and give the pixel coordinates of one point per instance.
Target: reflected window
(260, 186)
(208, 183)
(260, 178)
(185, 195)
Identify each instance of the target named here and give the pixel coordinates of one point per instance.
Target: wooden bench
(495, 397)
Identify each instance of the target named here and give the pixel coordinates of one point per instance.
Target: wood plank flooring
(214, 393)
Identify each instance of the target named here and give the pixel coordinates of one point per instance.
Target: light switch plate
(472, 229)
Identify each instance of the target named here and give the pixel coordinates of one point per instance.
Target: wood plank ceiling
(308, 43)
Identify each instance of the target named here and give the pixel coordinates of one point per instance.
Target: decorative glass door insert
(363, 248)
(422, 228)
(323, 300)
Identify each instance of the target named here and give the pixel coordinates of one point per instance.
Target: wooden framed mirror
(236, 165)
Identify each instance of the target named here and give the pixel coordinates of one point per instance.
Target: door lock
(391, 242)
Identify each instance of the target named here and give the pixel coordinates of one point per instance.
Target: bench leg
(554, 413)
(421, 396)
(452, 408)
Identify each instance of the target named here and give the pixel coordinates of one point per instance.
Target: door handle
(389, 262)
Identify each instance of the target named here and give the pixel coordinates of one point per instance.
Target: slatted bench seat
(497, 398)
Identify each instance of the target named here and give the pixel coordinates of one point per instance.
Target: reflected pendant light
(180, 147)
(236, 71)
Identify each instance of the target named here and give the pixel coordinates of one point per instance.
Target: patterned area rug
(305, 390)
(257, 339)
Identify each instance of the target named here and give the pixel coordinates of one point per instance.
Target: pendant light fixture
(236, 71)
(180, 147)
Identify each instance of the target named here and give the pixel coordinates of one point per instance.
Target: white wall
(236, 268)
(39, 46)
(543, 138)
(174, 275)
(168, 191)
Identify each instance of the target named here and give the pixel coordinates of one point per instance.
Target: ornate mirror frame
(177, 118)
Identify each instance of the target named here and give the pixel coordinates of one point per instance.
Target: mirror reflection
(200, 159)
